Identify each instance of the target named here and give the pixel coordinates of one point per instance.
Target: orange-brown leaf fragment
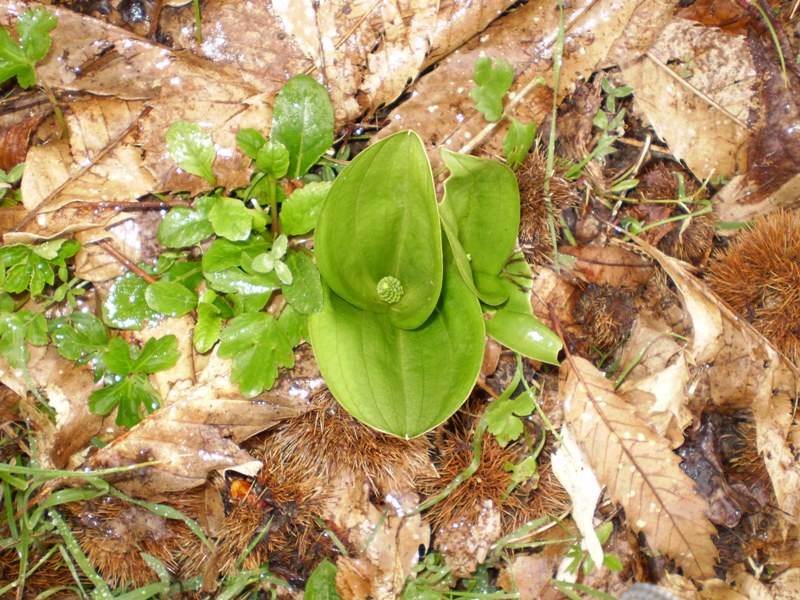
(638, 468)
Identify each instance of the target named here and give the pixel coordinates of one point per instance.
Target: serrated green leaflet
(231, 219)
(128, 395)
(125, 307)
(403, 382)
(502, 417)
(299, 211)
(380, 219)
(302, 120)
(257, 346)
(192, 149)
(494, 79)
(481, 207)
(79, 335)
(20, 60)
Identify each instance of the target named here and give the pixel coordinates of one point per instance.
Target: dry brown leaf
(14, 142)
(772, 180)
(657, 384)
(390, 552)
(742, 370)
(366, 52)
(117, 149)
(200, 424)
(441, 107)
(528, 575)
(638, 468)
(466, 544)
(571, 467)
(609, 265)
(701, 110)
(67, 390)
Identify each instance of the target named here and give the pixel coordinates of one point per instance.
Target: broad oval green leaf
(302, 120)
(231, 219)
(299, 211)
(403, 382)
(236, 281)
(380, 220)
(481, 201)
(305, 292)
(524, 333)
(208, 327)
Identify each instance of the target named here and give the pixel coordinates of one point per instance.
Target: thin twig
(129, 264)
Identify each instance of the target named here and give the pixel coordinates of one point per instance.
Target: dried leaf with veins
(570, 465)
(200, 425)
(743, 371)
(702, 111)
(391, 544)
(116, 148)
(638, 468)
(441, 106)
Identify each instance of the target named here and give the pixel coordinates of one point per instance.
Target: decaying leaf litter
(677, 411)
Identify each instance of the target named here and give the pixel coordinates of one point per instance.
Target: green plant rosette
(378, 239)
(399, 381)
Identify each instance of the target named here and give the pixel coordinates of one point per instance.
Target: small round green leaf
(231, 219)
(125, 307)
(183, 227)
(403, 382)
(304, 294)
(380, 220)
(192, 149)
(170, 298)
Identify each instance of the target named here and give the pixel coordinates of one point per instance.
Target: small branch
(129, 264)
(147, 205)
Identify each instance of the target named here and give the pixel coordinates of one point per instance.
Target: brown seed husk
(606, 314)
(758, 276)
(326, 440)
(113, 534)
(534, 229)
(688, 239)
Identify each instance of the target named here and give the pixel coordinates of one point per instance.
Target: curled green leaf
(380, 219)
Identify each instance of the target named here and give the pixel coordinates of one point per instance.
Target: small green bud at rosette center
(390, 290)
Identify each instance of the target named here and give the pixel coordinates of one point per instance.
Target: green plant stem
(198, 30)
(477, 447)
(62, 122)
(558, 61)
(275, 224)
(775, 40)
(547, 423)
